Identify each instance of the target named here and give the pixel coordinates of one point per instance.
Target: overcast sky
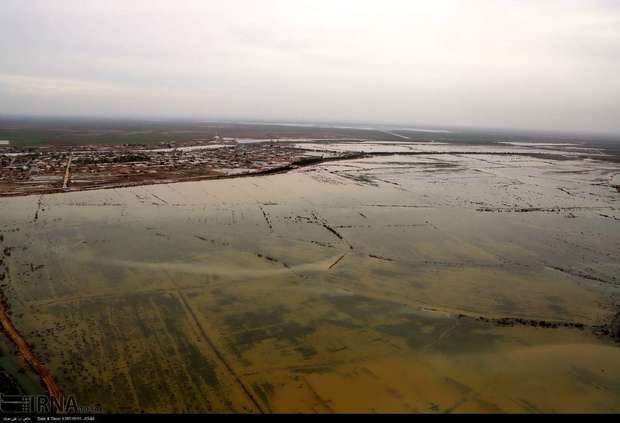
(537, 64)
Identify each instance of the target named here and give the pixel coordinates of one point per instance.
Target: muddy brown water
(332, 288)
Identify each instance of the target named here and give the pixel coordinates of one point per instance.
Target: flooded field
(396, 283)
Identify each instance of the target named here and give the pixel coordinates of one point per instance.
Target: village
(52, 168)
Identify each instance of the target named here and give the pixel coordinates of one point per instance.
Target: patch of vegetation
(264, 391)
(310, 370)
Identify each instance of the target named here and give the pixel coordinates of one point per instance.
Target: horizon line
(336, 124)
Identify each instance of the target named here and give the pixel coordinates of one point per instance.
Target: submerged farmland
(423, 278)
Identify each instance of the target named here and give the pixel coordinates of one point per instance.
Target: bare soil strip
(53, 388)
(337, 261)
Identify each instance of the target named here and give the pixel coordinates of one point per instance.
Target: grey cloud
(531, 64)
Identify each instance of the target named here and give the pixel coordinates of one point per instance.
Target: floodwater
(362, 285)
